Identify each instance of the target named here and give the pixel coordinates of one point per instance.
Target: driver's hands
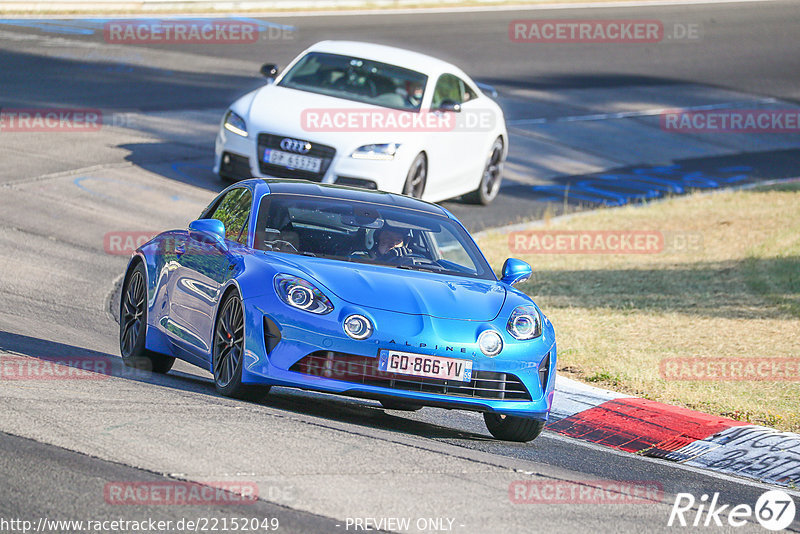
(398, 252)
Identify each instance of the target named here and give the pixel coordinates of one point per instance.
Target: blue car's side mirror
(208, 230)
(515, 271)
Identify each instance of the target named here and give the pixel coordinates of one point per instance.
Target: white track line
(738, 479)
(345, 12)
(641, 113)
(524, 7)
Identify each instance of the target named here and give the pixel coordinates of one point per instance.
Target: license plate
(292, 161)
(408, 363)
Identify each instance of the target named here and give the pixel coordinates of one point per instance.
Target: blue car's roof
(303, 187)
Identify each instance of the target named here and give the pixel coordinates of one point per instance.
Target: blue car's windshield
(357, 79)
(360, 232)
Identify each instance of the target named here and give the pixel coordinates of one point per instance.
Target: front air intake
(544, 371)
(364, 370)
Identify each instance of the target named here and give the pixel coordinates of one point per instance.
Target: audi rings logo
(294, 145)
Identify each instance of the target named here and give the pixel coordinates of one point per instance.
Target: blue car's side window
(234, 212)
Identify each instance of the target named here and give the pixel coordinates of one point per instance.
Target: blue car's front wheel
(399, 405)
(229, 352)
(511, 428)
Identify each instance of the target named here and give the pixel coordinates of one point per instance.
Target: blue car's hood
(405, 291)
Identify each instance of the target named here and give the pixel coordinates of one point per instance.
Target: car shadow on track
(358, 412)
(180, 162)
(29, 358)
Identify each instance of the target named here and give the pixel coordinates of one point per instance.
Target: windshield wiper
(430, 269)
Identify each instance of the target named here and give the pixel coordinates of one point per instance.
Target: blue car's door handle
(180, 249)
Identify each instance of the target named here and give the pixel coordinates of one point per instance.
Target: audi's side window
(467, 91)
(448, 87)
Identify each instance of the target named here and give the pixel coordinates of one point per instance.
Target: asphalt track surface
(318, 460)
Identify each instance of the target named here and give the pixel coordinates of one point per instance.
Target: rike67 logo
(774, 510)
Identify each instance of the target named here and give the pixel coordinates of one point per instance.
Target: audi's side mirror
(269, 71)
(449, 106)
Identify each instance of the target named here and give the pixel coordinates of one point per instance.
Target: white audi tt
(369, 116)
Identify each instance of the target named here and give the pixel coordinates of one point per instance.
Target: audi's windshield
(360, 232)
(357, 79)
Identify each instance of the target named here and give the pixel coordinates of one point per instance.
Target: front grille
(266, 140)
(364, 370)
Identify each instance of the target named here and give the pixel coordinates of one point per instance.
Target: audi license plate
(407, 363)
(292, 161)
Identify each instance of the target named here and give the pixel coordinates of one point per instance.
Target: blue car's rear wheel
(229, 352)
(133, 326)
(511, 428)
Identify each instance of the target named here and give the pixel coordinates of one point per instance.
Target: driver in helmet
(414, 92)
(391, 242)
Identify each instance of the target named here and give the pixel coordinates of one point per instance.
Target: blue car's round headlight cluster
(301, 294)
(357, 327)
(301, 297)
(490, 343)
(525, 323)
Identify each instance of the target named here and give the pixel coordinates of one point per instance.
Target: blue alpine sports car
(341, 290)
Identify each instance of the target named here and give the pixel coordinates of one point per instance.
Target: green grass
(735, 295)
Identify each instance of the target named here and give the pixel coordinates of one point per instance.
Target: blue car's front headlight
(525, 323)
(490, 343)
(234, 123)
(301, 294)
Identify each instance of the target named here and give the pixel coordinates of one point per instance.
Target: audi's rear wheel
(133, 326)
(417, 177)
(511, 428)
(492, 176)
